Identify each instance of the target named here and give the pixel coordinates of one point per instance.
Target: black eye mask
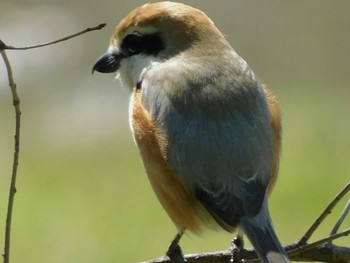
(137, 43)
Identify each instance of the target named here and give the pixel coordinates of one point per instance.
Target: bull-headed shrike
(208, 132)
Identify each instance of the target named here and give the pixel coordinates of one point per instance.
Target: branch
(327, 253)
(321, 250)
(301, 249)
(341, 218)
(324, 214)
(16, 102)
(100, 26)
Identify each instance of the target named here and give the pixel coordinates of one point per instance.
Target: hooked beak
(107, 63)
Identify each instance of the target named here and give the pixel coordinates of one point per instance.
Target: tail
(261, 234)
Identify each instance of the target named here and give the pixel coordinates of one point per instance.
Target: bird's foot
(237, 245)
(174, 251)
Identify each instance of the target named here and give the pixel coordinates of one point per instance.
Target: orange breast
(183, 209)
(275, 114)
(152, 145)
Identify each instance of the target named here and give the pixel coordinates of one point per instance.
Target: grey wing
(225, 157)
(225, 164)
(219, 144)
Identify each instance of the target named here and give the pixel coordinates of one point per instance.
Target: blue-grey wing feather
(219, 137)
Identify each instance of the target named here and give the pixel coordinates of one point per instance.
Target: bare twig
(16, 102)
(328, 253)
(100, 26)
(324, 214)
(304, 248)
(321, 250)
(341, 218)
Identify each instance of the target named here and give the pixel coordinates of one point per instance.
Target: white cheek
(132, 69)
(124, 77)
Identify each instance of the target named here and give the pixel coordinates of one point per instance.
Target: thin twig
(249, 256)
(341, 218)
(323, 215)
(16, 102)
(321, 250)
(100, 26)
(327, 253)
(318, 243)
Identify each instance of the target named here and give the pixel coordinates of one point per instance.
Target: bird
(207, 129)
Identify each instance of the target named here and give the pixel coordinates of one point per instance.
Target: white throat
(132, 69)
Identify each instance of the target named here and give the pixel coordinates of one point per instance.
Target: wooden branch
(321, 250)
(327, 253)
(16, 103)
(324, 214)
(12, 192)
(341, 218)
(304, 248)
(100, 26)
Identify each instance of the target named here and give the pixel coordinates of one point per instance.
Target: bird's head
(156, 33)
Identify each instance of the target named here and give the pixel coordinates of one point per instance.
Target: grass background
(82, 193)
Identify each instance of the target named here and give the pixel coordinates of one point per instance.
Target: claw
(174, 251)
(237, 245)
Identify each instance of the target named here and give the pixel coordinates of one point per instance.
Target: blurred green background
(82, 193)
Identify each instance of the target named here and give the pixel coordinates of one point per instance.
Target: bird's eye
(134, 44)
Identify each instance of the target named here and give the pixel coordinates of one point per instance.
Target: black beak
(107, 63)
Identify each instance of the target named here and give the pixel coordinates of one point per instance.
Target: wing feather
(220, 141)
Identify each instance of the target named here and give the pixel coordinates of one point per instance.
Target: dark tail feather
(261, 234)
